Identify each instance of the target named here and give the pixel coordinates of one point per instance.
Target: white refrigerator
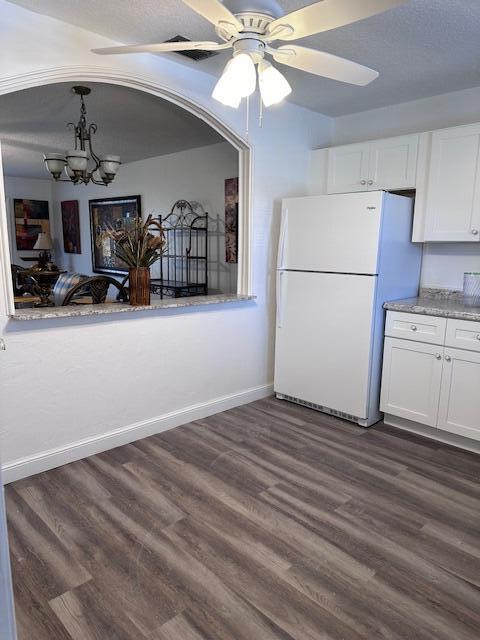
(340, 258)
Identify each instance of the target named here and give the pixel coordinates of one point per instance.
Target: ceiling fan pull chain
(247, 123)
(260, 111)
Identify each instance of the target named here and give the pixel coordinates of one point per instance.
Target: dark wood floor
(266, 521)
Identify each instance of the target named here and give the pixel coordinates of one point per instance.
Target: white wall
(30, 189)
(446, 110)
(195, 175)
(88, 377)
(444, 263)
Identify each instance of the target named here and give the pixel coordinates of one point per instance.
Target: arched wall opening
(148, 85)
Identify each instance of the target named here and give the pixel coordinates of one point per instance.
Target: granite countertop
(437, 302)
(75, 311)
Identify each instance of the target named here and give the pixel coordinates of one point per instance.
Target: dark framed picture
(31, 218)
(107, 214)
(71, 226)
(231, 220)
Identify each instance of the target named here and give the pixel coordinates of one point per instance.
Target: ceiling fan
(250, 26)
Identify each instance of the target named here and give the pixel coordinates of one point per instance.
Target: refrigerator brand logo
(371, 208)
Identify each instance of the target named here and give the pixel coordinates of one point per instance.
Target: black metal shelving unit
(184, 266)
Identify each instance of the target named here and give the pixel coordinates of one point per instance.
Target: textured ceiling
(423, 48)
(132, 124)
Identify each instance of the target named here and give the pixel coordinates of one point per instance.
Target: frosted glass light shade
(97, 175)
(109, 165)
(238, 81)
(273, 85)
(77, 160)
(44, 242)
(225, 92)
(55, 162)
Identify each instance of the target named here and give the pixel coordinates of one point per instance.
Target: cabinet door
(411, 380)
(348, 168)
(460, 393)
(393, 163)
(453, 189)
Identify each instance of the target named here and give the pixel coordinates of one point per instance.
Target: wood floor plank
(265, 590)
(42, 558)
(88, 614)
(265, 522)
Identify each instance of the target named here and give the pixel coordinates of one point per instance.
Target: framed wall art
(231, 220)
(71, 226)
(107, 214)
(31, 218)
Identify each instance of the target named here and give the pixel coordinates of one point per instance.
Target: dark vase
(139, 285)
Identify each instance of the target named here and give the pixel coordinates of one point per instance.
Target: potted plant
(139, 248)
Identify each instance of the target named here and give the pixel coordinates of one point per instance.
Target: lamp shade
(44, 242)
(225, 91)
(55, 162)
(273, 85)
(238, 81)
(109, 165)
(77, 160)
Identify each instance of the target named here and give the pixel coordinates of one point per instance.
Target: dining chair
(97, 287)
(65, 282)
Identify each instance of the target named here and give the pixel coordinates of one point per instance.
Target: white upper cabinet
(348, 168)
(393, 163)
(452, 197)
(370, 166)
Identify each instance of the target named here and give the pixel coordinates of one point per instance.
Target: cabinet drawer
(413, 326)
(463, 334)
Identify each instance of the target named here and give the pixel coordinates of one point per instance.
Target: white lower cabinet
(432, 384)
(459, 410)
(412, 374)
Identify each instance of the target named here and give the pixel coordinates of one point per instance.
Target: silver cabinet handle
(370, 182)
(447, 358)
(438, 356)
(3, 346)
(474, 232)
(363, 182)
(413, 327)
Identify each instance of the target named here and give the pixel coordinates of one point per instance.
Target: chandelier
(77, 161)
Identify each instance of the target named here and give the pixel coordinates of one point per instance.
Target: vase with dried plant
(139, 248)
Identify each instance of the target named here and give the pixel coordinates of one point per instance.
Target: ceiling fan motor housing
(255, 15)
(251, 45)
(269, 8)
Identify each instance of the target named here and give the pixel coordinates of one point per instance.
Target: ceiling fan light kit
(249, 26)
(273, 85)
(75, 162)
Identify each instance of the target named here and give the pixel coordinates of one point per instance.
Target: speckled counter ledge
(445, 306)
(75, 311)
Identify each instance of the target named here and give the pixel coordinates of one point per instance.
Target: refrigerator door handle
(280, 276)
(281, 243)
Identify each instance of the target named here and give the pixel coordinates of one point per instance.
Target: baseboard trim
(434, 434)
(30, 465)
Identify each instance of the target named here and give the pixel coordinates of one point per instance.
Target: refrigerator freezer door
(334, 233)
(323, 339)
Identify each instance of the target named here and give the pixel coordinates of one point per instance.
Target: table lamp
(44, 244)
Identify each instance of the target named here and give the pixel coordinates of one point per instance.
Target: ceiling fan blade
(326, 15)
(323, 64)
(215, 12)
(163, 47)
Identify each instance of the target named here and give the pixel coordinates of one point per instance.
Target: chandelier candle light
(76, 161)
